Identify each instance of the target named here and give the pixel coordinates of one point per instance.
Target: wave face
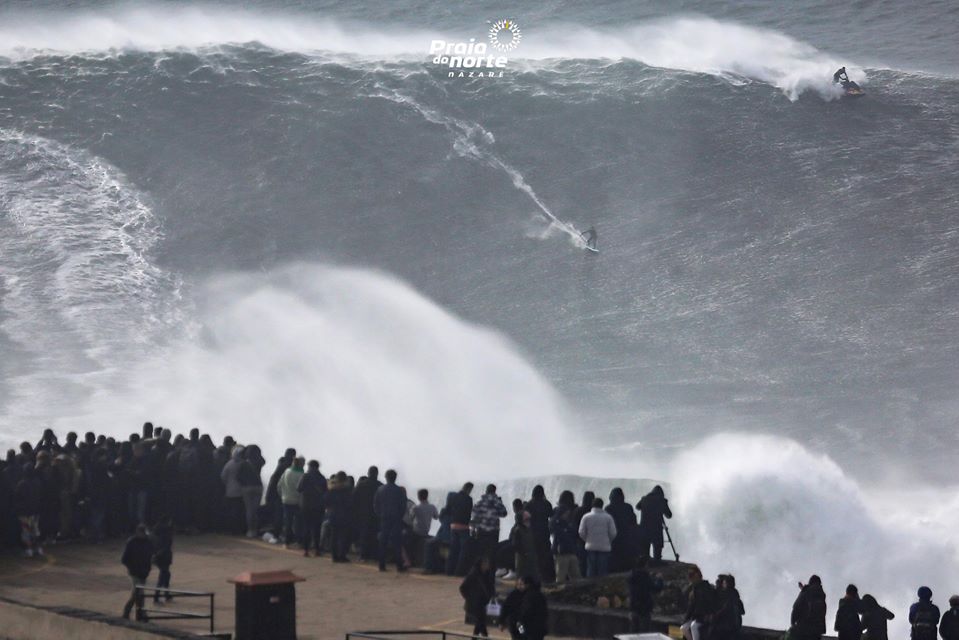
(766, 263)
(198, 207)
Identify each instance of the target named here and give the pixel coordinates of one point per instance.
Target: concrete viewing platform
(334, 599)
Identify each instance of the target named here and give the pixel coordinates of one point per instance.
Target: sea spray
(80, 293)
(772, 513)
(352, 367)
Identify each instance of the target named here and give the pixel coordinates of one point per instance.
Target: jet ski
(852, 90)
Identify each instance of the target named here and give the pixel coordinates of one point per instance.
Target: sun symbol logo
(505, 35)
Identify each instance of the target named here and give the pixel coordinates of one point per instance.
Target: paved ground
(335, 598)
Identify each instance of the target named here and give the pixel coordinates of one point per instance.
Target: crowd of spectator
(154, 484)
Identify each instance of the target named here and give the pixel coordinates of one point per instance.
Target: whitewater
(288, 226)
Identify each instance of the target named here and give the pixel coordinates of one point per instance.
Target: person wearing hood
(924, 616)
(874, 619)
(848, 626)
(949, 624)
(338, 502)
(565, 538)
(809, 611)
(533, 616)
(624, 546)
(524, 547)
(233, 491)
(653, 508)
(541, 510)
(728, 619)
(292, 500)
(478, 589)
(312, 490)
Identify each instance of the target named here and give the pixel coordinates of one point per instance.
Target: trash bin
(266, 605)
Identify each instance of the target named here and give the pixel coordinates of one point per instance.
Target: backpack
(925, 623)
(247, 475)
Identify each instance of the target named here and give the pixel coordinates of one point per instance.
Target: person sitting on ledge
(701, 605)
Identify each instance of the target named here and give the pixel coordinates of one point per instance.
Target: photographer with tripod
(654, 509)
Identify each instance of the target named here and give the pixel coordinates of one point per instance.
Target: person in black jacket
(653, 508)
(728, 619)
(389, 505)
(163, 556)
(565, 538)
(541, 510)
(701, 604)
(848, 626)
(949, 625)
(624, 544)
(27, 504)
(533, 616)
(312, 491)
(478, 589)
(509, 612)
(365, 522)
(338, 506)
(874, 619)
(137, 558)
(642, 586)
(273, 502)
(459, 506)
(924, 616)
(809, 611)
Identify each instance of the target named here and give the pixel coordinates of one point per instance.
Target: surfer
(850, 88)
(590, 237)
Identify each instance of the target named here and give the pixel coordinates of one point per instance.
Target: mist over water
(284, 223)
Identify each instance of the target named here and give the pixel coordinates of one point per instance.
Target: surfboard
(592, 249)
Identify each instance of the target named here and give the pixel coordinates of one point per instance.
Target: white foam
(81, 293)
(351, 366)
(773, 513)
(733, 51)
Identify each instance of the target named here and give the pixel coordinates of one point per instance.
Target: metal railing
(167, 614)
(386, 635)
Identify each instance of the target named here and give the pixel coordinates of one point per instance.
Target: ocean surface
(282, 220)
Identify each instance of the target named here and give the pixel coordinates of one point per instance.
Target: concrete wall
(591, 622)
(19, 621)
